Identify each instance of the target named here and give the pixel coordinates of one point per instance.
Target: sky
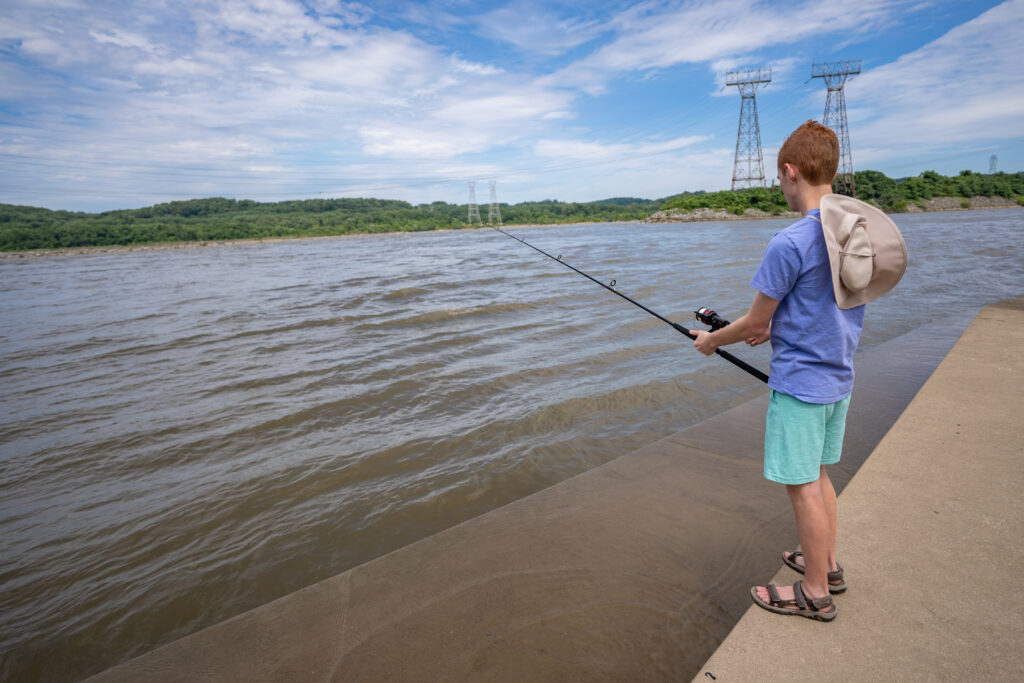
(126, 103)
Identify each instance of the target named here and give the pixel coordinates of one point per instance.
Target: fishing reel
(710, 318)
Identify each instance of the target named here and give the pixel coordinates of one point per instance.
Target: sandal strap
(773, 595)
(798, 595)
(819, 604)
(837, 575)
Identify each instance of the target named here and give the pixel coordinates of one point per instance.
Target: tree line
(218, 218)
(872, 186)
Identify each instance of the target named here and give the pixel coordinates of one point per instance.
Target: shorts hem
(790, 481)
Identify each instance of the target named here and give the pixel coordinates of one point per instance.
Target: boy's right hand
(759, 338)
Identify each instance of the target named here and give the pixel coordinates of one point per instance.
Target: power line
(474, 210)
(494, 211)
(748, 167)
(835, 75)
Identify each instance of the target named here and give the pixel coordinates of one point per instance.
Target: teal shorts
(801, 437)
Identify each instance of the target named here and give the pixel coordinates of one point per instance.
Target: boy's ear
(791, 171)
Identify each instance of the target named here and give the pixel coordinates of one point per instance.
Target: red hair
(814, 150)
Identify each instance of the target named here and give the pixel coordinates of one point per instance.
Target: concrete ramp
(931, 539)
(635, 570)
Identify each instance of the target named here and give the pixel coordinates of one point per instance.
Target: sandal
(835, 579)
(820, 609)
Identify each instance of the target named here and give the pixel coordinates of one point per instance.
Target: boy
(811, 377)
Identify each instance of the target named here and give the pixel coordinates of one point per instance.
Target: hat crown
(855, 256)
(866, 251)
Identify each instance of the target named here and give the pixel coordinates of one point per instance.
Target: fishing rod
(705, 315)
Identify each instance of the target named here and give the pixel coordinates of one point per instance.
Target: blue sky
(121, 104)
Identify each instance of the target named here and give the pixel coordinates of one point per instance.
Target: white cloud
(431, 14)
(657, 35)
(474, 68)
(520, 107)
(588, 150)
(273, 22)
(424, 141)
(535, 28)
(276, 98)
(614, 173)
(387, 61)
(175, 68)
(349, 13)
(121, 39)
(966, 85)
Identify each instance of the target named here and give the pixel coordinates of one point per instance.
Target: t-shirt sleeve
(779, 268)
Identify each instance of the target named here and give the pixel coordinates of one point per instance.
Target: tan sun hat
(865, 249)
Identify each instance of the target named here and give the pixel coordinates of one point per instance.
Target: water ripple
(246, 420)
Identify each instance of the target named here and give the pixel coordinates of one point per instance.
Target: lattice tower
(835, 75)
(748, 168)
(494, 211)
(993, 161)
(474, 210)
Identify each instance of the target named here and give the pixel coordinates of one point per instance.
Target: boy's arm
(752, 326)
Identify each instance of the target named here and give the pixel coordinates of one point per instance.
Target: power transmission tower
(494, 212)
(748, 169)
(474, 210)
(835, 75)
(992, 162)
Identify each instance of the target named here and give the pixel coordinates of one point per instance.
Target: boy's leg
(814, 529)
(829, 496)
(797, 444)
(800, 439)
(812, 525)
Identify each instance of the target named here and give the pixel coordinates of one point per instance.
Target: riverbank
(673, 216)
(164, 246)
(929, 540)
(638, 565)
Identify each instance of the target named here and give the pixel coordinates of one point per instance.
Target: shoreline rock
(704, 214)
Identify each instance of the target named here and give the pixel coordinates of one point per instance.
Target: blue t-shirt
(813, 340)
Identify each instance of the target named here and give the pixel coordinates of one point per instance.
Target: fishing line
(679, 328)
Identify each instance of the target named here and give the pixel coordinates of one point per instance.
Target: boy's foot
(795, 560)
(793, 600)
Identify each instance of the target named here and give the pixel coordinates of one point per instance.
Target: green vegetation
(895, 195)
(216, 218)
(874, 186)
(770, 201)
(24, 227)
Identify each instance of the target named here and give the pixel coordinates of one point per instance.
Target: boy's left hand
(704, 343)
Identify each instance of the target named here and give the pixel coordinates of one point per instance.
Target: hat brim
(890, 251)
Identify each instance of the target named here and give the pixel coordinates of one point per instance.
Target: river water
(187, 434)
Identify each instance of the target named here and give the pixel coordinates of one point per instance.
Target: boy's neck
(809, 197)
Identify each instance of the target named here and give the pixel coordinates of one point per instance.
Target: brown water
(187, 434)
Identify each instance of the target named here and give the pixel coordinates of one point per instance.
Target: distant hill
(217, 218)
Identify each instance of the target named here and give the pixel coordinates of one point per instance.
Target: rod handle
(680, 328)
(727, 356)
